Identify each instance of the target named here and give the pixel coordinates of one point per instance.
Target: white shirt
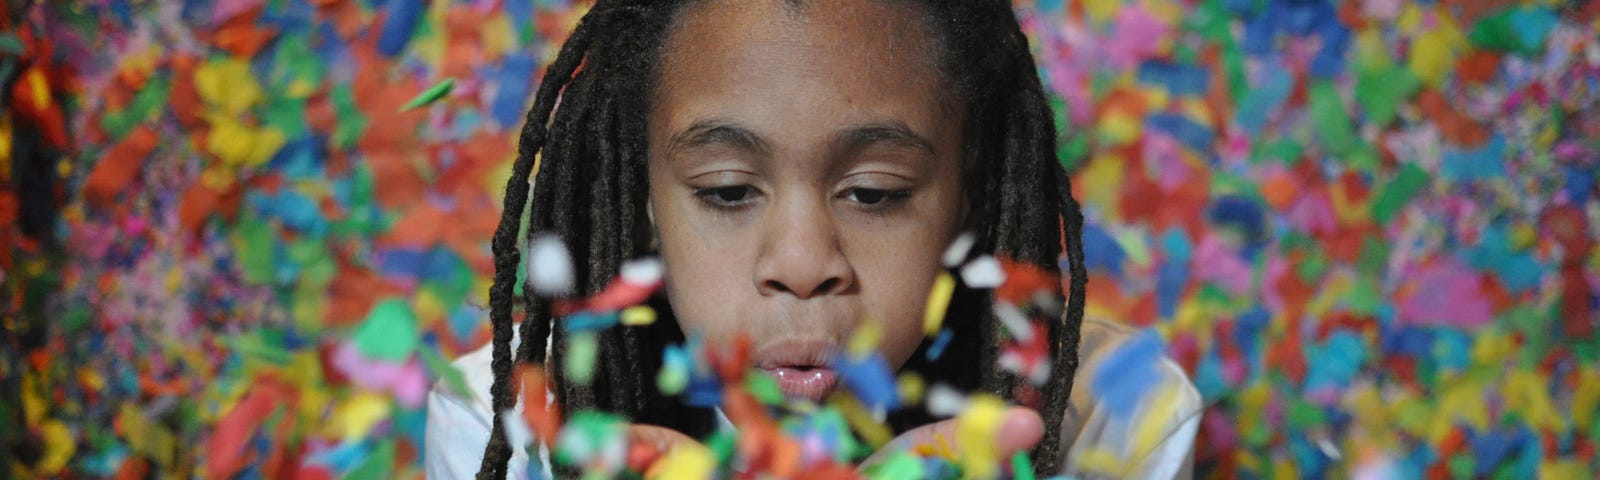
(1103, 445)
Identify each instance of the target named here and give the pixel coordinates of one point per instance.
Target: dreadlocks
(591, 161)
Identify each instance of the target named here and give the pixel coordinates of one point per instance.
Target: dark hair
(590, 190)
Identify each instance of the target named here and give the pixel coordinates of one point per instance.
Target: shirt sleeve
(454, 440)
(1173, 456)
(458, 428)
(1106, 446)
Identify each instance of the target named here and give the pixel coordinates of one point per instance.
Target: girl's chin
(813, 383)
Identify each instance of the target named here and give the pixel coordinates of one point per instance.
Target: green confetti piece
(260, 347)
(671, 381)
(762, 386)
(350, 121)
(432, 94)
(583, 350)
(379, 466)
(1381, 92)
(11, 44)
(389, 332)
(1330, 119)
(722, 444)
(287, 116)
(441, 368)
(255, 248)
(1374, 260)
(1518, 30)
(1462, 466)
(1398, 192)
(902, 464)
(145, 106)
(1313, 267)
(1021, 467)
(1303, 414)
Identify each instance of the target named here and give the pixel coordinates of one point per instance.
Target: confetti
(1359, 224)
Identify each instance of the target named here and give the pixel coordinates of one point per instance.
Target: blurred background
(1364, 227)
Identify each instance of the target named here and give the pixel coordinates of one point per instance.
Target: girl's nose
(801, 254)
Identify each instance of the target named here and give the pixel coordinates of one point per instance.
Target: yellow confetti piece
(1586, 397)
(910, 386)
(1564, 469)
(1492, 349)
(33, 403)
(238, 145)
(1101, 181)
(1283, 469)
(1526, 394)
(686, 461)
(59, 445)
(1461, 400)
(976, 428)
(1117, 129)
(638, 316)
(873, 431)
(1195, 109)
(1101, 461)
(938, 303)
(865, 339)
(356, 416)
(1149, 429)
(1100, 11)
(146, 437)
(428, 307)
(228, 86)
(499, 36)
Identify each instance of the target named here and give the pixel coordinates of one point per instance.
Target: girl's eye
(872, 197)
(729, 196)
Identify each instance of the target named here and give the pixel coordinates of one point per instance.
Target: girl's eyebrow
(893, 132)
(718, 132)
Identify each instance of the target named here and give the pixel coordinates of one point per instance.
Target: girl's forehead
(802, 72)
(864, 35)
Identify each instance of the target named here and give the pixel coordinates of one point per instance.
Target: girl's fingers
(1020, 429)
(661, 438)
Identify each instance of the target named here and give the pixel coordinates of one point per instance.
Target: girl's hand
(662, 438)
(1020, 429)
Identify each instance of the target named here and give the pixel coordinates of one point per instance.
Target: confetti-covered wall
(1365, 227)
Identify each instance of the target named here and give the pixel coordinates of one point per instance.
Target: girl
(797, 165)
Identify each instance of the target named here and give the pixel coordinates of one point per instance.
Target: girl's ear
(655, 234)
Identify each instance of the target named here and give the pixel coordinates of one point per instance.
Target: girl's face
(804, 177)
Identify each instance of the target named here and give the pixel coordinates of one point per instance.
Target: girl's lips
(808, 382)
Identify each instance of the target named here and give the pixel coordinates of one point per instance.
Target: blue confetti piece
(704, 391)
(1100, 251)
(1452, 349)
(1335, 362)
(1191, 134)
(1492, 448)
(1532, 26)
(591, 321)
(1128, 373)
(1265, 98)
(869, 377)
(1260, 32)
(515, 80)
(1243, 213)
(1486, 162)
(936, 349)
(404, 263)
(1178, 79)
(1579, 183)
(1330, 59)
(398, 25)
(1208, 376)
